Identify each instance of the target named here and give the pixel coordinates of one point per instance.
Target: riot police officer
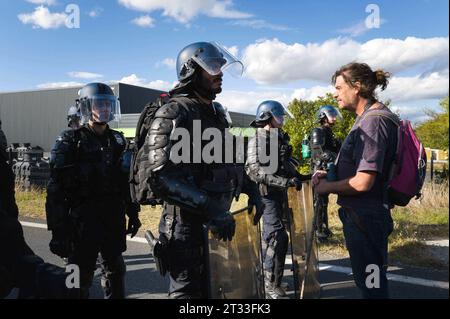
(73, 117)
(273, 180)
(325, 148)
(195, 193)
(88, 194)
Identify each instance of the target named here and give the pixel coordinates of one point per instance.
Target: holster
(159, 252)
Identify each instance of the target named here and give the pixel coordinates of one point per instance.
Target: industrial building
(38, 116)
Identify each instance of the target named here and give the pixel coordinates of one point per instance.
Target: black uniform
(192, 192)
(330, 148)
(87, 198)
(19, 266)
(273, 189)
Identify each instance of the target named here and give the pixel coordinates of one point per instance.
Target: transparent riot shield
(235, 268)
(304, 248)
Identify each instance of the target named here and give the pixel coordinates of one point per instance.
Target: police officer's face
(331, 121)
(101, 110)
(212, 83)
(345, 95)
(277, 121)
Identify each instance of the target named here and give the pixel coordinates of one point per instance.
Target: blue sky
(290, 48)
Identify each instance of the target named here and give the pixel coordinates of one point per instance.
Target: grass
(424, 219)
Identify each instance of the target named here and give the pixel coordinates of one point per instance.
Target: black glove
(222, 224)
(61, 243)
(255, 201)
(133, 225)
(295, 182)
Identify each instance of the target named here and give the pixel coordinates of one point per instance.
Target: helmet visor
(282, 112)
(216, 62)
(333, 114)
(102, 108)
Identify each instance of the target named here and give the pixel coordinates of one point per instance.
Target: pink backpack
(408, 170)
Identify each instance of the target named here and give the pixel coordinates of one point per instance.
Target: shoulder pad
(67, 136)
(169, 111)
(317, 130)
(120, 138)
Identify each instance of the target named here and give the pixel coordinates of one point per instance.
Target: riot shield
(235, 267)
(305, 259)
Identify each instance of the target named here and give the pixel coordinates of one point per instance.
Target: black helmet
(73, 117)
(73, 113)
(329, 112)
(210, 56)
(268, 109)
(98, 103)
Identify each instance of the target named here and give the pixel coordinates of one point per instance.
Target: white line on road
(322, 266)
(34, 225)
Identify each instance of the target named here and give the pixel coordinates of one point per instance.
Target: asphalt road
(144, 282)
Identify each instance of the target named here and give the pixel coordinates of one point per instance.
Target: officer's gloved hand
(255, 201)
(133, 225)
(295, 182)
(222, 224)
(61, 244)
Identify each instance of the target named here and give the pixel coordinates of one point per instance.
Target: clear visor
(214, 65)
(333, 115)
(102, 108)
(283, 113)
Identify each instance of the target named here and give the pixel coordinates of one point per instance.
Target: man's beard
(204, 88)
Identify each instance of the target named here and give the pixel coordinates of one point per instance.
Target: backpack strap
(377, 112)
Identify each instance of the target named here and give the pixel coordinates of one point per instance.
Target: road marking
(322, 266)
(34, 225)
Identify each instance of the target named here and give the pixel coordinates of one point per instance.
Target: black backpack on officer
(140, 190)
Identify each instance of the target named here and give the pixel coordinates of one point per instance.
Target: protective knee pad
(113, 278)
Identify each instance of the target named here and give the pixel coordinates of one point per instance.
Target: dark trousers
(100, 228)
(321, 211)
(366, 234)
(185, 236)
(275, 236)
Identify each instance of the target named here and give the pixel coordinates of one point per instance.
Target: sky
(289, 49)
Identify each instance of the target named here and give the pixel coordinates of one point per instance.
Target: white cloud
(312, 93)
(133, 79)
(43, 18)
(44, 2)
(234, 50)
(144, 21)
(274, 62)
(168, 62)
(56, 85)
(248, 101)
(185, 11)
(260, 24)
(358, 28)
(94, 13)
(84, 75)
(432, 86)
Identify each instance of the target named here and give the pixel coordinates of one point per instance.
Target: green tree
(433, 133)
(305, 119)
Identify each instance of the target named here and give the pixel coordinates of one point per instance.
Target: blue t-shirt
(369, 147)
